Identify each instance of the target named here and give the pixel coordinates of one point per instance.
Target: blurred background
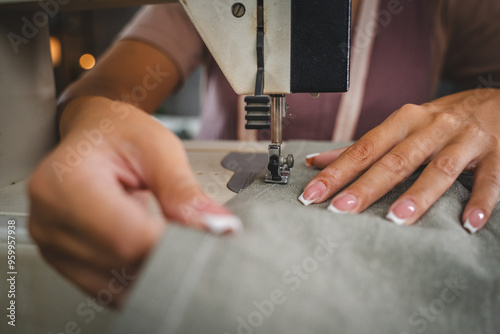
(79, 38)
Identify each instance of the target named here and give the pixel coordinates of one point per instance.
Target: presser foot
(279, 167)
(283, 178)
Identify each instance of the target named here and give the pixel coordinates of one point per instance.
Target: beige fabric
(301, 270)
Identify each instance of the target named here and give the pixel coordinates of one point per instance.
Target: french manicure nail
(312, 193)
(305, 201)
(221, 224)
(343, 204)
(403, 211)
(475, 221)
(310, 156)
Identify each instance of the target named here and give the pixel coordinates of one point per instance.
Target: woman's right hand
(89, 195)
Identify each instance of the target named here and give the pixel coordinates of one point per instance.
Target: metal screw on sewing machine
(238, 9)
(289, 161)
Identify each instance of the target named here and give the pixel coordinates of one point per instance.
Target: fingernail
(343, 204)
(312, 193)
(309, 157)
(222, 224)
(475, 221)
(403, 211)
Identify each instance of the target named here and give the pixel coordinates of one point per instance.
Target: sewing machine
(273, 48)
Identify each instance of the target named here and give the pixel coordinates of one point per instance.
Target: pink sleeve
(169, 29)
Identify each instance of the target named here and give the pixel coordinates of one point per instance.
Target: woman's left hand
(456, 133)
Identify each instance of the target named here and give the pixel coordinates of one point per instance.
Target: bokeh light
(87, 61)
(55, 51)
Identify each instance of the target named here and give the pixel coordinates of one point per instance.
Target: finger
(107, 218)
(169, 175)
(321, 160)
(436, 178)
(109, 227)
(98, 219)
(394, 167)
(143, 197)
(362, 154)
(485, 194)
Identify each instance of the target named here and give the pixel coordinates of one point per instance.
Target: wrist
(74, 112)
(87, 111)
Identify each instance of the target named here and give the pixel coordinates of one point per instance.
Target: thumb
(169, 176)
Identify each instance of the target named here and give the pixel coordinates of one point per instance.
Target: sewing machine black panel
(320, 47)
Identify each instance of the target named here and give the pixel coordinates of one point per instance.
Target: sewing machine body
(267, 49)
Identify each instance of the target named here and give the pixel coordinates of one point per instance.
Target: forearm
(131, 72)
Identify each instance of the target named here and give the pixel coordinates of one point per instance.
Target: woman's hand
(460, 132)
(89, 196)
